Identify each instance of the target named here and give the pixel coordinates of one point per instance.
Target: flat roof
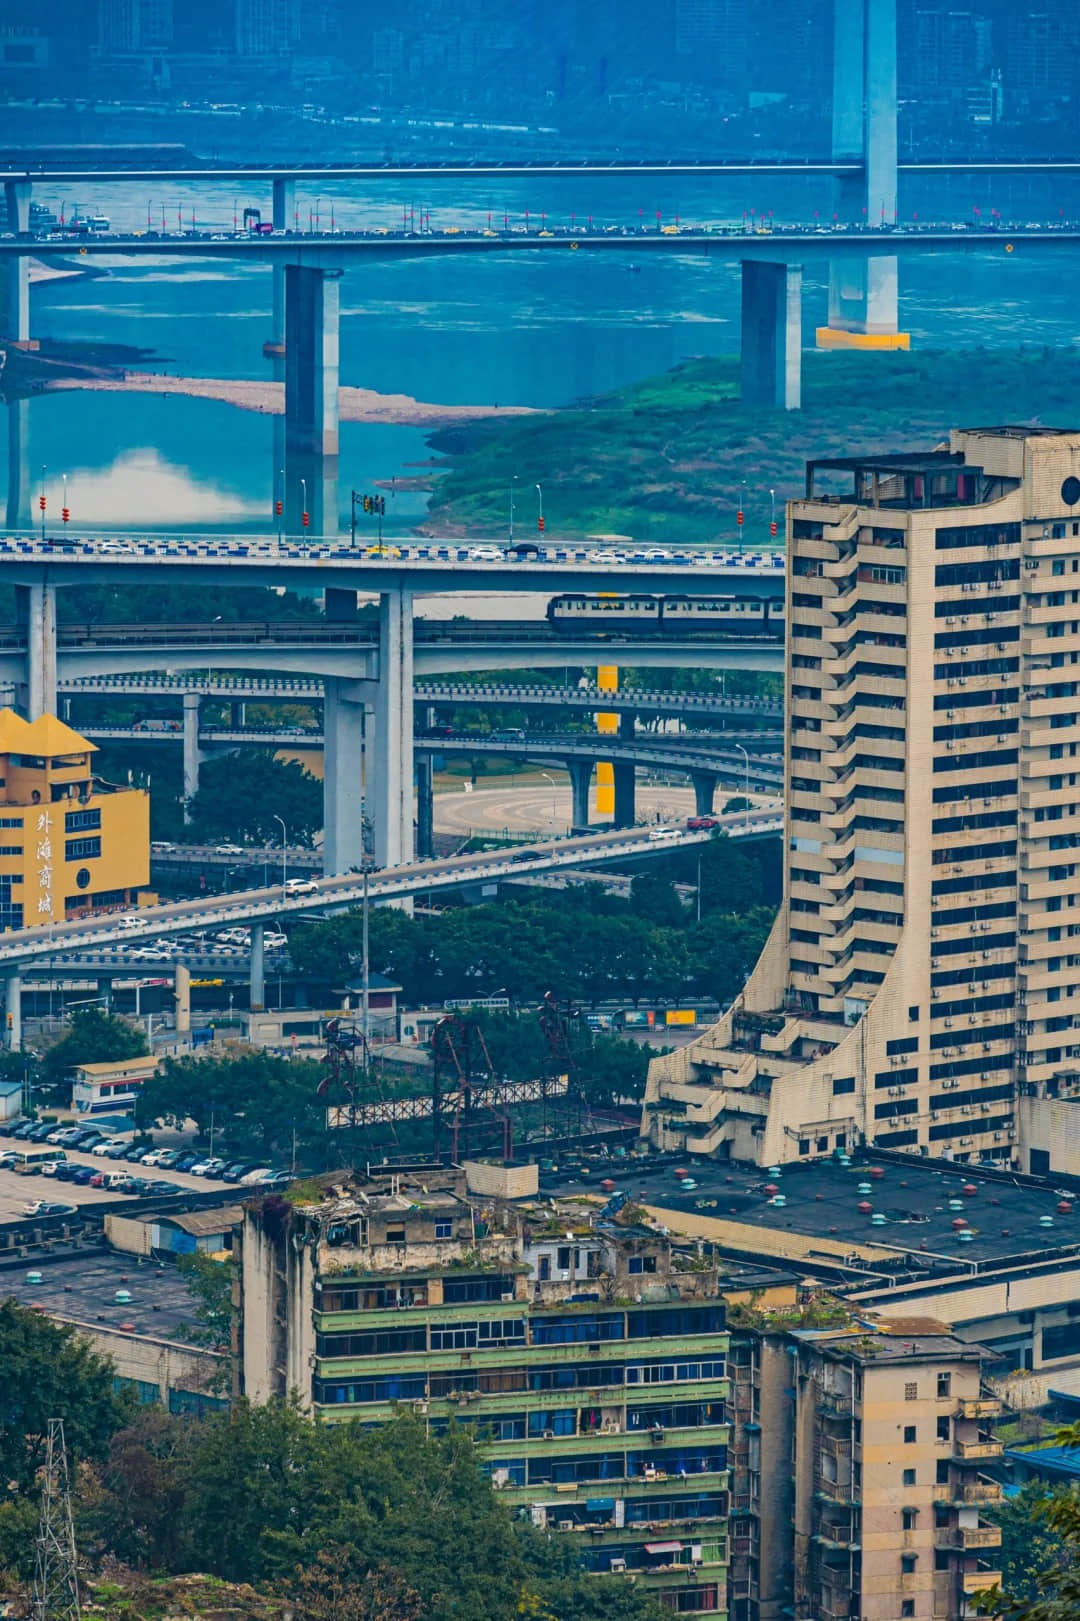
(1062, 1461)
(822, 1198)
(84, 1287)
(864, 1345)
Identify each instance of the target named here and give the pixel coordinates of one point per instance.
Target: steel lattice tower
(56, 1575)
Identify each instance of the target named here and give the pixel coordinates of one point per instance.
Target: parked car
(234, 1173)
(185, 1161)
(64, 1170)
(208, 1167)
(277, 1179)
(165, 1187)
(41, 1207)
(7, 1161)
(156, 1156)
(701, 824)
(22, 1132)
(135, 1150)
(259, 1174)
(40, 1133)
(81, 1175)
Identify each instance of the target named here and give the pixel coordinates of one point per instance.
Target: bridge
(706, 760)
(240, 690)
(24, 949)
(863, 281)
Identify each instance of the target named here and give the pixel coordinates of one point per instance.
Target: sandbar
(354, 404)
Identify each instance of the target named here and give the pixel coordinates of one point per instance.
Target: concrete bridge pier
(257, 982)
(345, 789)
(13, 1009)
(704, 784)
(193, 755)
(425, 807)
(392, 767)
(771, 365)
(580, 773)
(17, 198)
(18, 490)
(310, 484)
(311, 360)
(863, 293)
(625, 789)
(35, 607)
(283, 210)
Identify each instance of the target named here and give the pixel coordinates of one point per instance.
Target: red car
(701, 824)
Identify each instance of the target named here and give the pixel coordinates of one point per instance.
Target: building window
(910, 1478)
(944, 1427)
(908, 1518)
(909, 1434)
(907, 1606)
(82, 849)
(444, 1229)
(942, 1476)
(908, 1561)
(944, 1385)
(911, 1392)
(81, 821)
(913, 1015)
(395, 1235)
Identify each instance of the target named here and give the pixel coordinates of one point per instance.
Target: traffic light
(279, 508)
(41, 503)
(306, 520)
(65, 513)
(382, 506)
(367, 503)
(773, 528)
(540, 523)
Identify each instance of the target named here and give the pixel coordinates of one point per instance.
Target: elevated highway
(460, 694)
(21, 949)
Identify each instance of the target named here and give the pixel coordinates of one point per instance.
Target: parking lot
(18, 1188)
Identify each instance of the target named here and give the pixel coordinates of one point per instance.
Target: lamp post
(284, 851)
(513, 481)
(539, 509)
(304, 519)
(554, 786)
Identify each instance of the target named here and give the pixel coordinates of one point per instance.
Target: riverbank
(674, 458)
(268, 398)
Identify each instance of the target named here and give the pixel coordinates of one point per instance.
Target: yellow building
(69, 844)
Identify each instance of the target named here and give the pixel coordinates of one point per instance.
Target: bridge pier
(771, 363)
(425, 807)
(863, 293)
(257, 982)
(704, 784)
(193, 756)
(625, 790)
(344, 776)
(311, 360)
(13, 1009)
(18, 491)
(580, 774)
(17, 198)
(283, 210)
(35, 607)
(392, 775)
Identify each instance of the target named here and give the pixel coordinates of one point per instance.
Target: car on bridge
(300, 886)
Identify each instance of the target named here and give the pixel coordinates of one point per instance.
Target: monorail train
(670, 615)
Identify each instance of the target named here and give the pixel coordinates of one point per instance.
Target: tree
(47, 1371)
(240, 797)
(328, 1591)
(1041, 1552)
(211, 1282)
(257, 1100)
(94, 1037)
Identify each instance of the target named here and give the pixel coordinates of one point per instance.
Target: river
(535, 331)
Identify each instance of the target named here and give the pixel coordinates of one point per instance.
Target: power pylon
(56, 1573)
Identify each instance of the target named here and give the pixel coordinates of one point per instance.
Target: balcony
(979, 1581)
(972, 1451)
(833, 1405)
(982, 1407)
(968, 1538)
(980, 1491)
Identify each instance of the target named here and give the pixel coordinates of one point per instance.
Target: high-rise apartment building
(127, 27)
(870, 1443)
(925, 962)
(589, 1353)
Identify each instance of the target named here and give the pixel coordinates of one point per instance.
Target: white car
(275, 940)
(485, 554)
(301, 886)
(130, 920)
(661, 832)
(256, 1176)
(154, 1157)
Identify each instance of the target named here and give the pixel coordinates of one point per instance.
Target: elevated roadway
(300, 689)
(335, 250)
(21, 949)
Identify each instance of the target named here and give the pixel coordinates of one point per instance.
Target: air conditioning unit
(1003, 737)
(985, 1107)
(963, 650)
(935, 995)
(966, 1109)
(896, 1091)
(951, 681)
(565, 1525)
(934, 933)
(1031, 565)
(948, 1024)
(966, 1142)
(987, 955)
(951, 620)
(950, 744)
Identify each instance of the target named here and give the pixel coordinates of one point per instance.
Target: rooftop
(863, 1346)
(83, 1287)
(1010, 1219)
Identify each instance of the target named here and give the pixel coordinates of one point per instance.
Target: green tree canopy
(95, 1037)
(239, 797)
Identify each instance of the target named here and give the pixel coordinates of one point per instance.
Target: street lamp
(513, 481)
(539, 509)
(284, 851)
(304, 519)
(554, 803)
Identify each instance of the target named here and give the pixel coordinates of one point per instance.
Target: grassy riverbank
(664, 459)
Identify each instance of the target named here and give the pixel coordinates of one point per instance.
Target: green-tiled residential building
(591, 1355)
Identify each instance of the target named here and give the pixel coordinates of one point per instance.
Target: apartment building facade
(872, 1441)
(924, 968)
(589, 1354)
